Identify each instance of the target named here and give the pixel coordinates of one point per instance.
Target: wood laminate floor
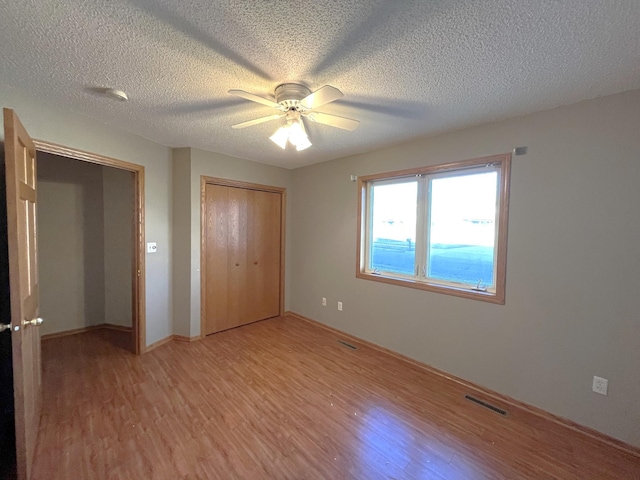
(282, 399)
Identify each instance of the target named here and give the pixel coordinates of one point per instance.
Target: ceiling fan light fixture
(293, 133)
(303, 145)
(280, 137)
(296, 133)
(297, 136)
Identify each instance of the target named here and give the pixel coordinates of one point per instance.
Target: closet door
(263, 255)
(242, 256)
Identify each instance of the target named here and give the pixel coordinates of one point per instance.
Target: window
(440, 228)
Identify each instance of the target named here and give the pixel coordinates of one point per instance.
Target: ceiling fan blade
(321, 97)
(257, 121)
(256, 98)
(333, 120)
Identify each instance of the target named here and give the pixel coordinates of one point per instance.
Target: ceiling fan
(294, 101)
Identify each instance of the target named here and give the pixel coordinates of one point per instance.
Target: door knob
(36, 322)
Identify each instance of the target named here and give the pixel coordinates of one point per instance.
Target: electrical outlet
(324, 301)
(600, 385)
(340, 306)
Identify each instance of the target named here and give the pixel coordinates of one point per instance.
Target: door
(242, 250)
(20, 179)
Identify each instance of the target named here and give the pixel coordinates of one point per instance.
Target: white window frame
(494, 293)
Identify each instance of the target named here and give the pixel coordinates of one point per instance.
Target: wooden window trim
(504, 162)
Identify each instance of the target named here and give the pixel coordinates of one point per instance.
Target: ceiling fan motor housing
(289, 94)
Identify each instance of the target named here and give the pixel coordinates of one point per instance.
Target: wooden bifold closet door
(242, 248)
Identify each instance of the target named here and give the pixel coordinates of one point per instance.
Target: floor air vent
(485, 404)
(348, 345)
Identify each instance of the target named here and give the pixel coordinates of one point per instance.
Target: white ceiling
(406, 68)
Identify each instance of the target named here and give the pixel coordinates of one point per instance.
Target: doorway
(137, 266)
(85, 248)
(9, 446)
(242, 253)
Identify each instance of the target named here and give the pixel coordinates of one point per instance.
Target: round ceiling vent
(116, 94)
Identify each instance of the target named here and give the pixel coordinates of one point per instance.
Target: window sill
(489, 297)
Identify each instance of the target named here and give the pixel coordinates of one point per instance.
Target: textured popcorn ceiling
(406, 68)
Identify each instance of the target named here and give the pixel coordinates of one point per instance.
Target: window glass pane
(462, 228)
(393, 227)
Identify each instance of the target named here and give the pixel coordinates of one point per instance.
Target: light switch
(152, 247)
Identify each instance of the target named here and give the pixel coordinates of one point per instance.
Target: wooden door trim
(225, 182)
(138, 273)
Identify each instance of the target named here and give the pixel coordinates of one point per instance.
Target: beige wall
(187, 321)
(573, 269)
(119, 202)
(71, 244)
(182, 242)
(53, 123)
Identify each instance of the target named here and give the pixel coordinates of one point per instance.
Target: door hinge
(4, 327)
